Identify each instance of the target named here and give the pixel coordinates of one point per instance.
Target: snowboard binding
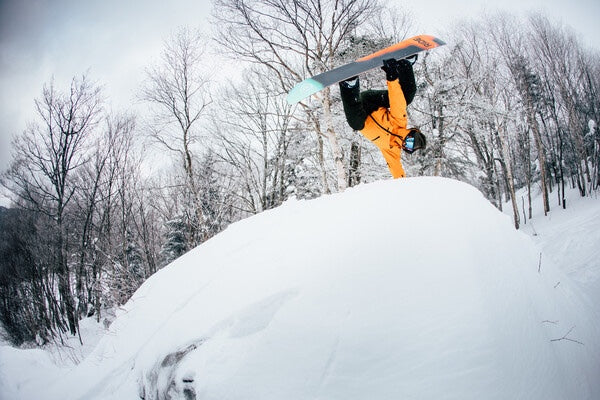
(412, 59)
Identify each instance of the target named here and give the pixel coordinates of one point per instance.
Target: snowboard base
(403, 49)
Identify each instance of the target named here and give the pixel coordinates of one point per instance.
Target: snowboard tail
(403, 49)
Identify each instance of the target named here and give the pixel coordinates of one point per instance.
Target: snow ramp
(408, 289)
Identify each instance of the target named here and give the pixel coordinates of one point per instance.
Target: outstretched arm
(397, 103)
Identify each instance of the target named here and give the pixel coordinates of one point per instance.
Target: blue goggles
(409, 143)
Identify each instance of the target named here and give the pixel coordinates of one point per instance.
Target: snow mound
(414, 288)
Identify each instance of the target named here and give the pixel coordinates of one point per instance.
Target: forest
(103, 198)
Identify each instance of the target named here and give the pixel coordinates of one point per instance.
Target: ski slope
(413, 288)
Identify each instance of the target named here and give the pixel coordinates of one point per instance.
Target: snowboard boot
(350, 82)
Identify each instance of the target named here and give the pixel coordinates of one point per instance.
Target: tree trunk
(541, 159)
(505, 161)
(64, 286)
(354, 170)
(336, 150)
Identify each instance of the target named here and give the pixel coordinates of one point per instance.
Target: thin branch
(565, 337)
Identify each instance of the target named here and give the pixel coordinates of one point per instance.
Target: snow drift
(414, 288)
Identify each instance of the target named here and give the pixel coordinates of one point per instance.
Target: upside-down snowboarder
(380, 115)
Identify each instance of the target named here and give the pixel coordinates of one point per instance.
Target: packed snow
(413, 288)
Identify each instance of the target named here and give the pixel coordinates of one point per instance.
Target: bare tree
(470, 64)
(45, 159)
(103, 210)
(486, 109)
(560, 53)
(501, 131)
(254, 140)
(178, 91)
(392, 24)
(511, 45)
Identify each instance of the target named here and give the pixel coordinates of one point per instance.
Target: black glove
(404, 67)
(390, 67)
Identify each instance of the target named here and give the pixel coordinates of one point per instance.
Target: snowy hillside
(413, 288)
(571, 238)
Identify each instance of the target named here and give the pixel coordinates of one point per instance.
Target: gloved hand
(390, 67)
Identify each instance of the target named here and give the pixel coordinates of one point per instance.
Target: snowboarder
(380, 115)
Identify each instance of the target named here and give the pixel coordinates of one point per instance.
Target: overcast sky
(113, 40)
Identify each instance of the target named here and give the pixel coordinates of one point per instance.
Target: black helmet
(414, 141)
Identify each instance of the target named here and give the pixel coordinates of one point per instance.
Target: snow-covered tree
(176, 240)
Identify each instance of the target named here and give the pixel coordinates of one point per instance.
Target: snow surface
(571, 238)
(415, 288)
(4, 201)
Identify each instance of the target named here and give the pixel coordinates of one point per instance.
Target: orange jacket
(386, 128)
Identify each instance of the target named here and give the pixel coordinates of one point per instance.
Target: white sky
(113, 40)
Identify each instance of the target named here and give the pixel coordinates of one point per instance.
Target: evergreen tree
(134, 258)
(175, 240)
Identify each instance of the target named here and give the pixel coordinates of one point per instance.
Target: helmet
(414, 141)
